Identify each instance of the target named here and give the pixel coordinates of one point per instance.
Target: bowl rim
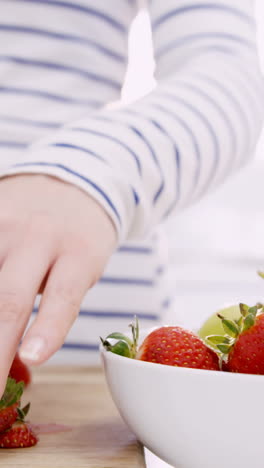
(180, 370)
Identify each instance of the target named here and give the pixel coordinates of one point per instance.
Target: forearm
(159, 154)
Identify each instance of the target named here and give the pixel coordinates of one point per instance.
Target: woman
(81, 185)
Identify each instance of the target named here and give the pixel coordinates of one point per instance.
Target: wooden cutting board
(77, 397)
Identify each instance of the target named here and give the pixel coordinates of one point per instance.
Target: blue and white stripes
(46, 43)
(61, 61)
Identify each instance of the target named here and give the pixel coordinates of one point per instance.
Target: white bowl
(190, 418)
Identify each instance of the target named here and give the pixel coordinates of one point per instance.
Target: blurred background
(217, 245)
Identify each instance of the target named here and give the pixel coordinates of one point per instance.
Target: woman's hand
(54, 239)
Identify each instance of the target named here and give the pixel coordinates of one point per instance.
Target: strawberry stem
(135, 333)
(120, 344)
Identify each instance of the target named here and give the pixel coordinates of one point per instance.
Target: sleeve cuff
(101, 182)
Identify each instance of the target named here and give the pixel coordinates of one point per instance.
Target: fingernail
(32, 349)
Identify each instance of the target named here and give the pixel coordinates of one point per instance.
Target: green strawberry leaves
(119, 336)
(243, 309)
(223, 344)
(218, 339)
(22, 412)
(12, 394)
(121, 347)
(220, 343)
(230, 326)
(120, 344)
(248, 322)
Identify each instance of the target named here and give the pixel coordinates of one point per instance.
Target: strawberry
(19, 371)
(14, 432)
(177, 347)
(9, 403)
(172, 346)
(242, 347)
(20, 435)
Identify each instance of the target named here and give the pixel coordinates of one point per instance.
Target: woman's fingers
(21, 274)
(67, 284)
(62, 228)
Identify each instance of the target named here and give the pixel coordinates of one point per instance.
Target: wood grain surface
(77, 397)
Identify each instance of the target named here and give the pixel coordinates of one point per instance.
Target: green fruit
(213, 325)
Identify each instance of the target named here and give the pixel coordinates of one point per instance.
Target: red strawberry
(9, 403)
(172, 346)
(18, 436)
(8, 416)
(242, 347)
(175, 346)
(19, 371)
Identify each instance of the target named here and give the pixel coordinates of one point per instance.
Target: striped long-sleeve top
(62, 61)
